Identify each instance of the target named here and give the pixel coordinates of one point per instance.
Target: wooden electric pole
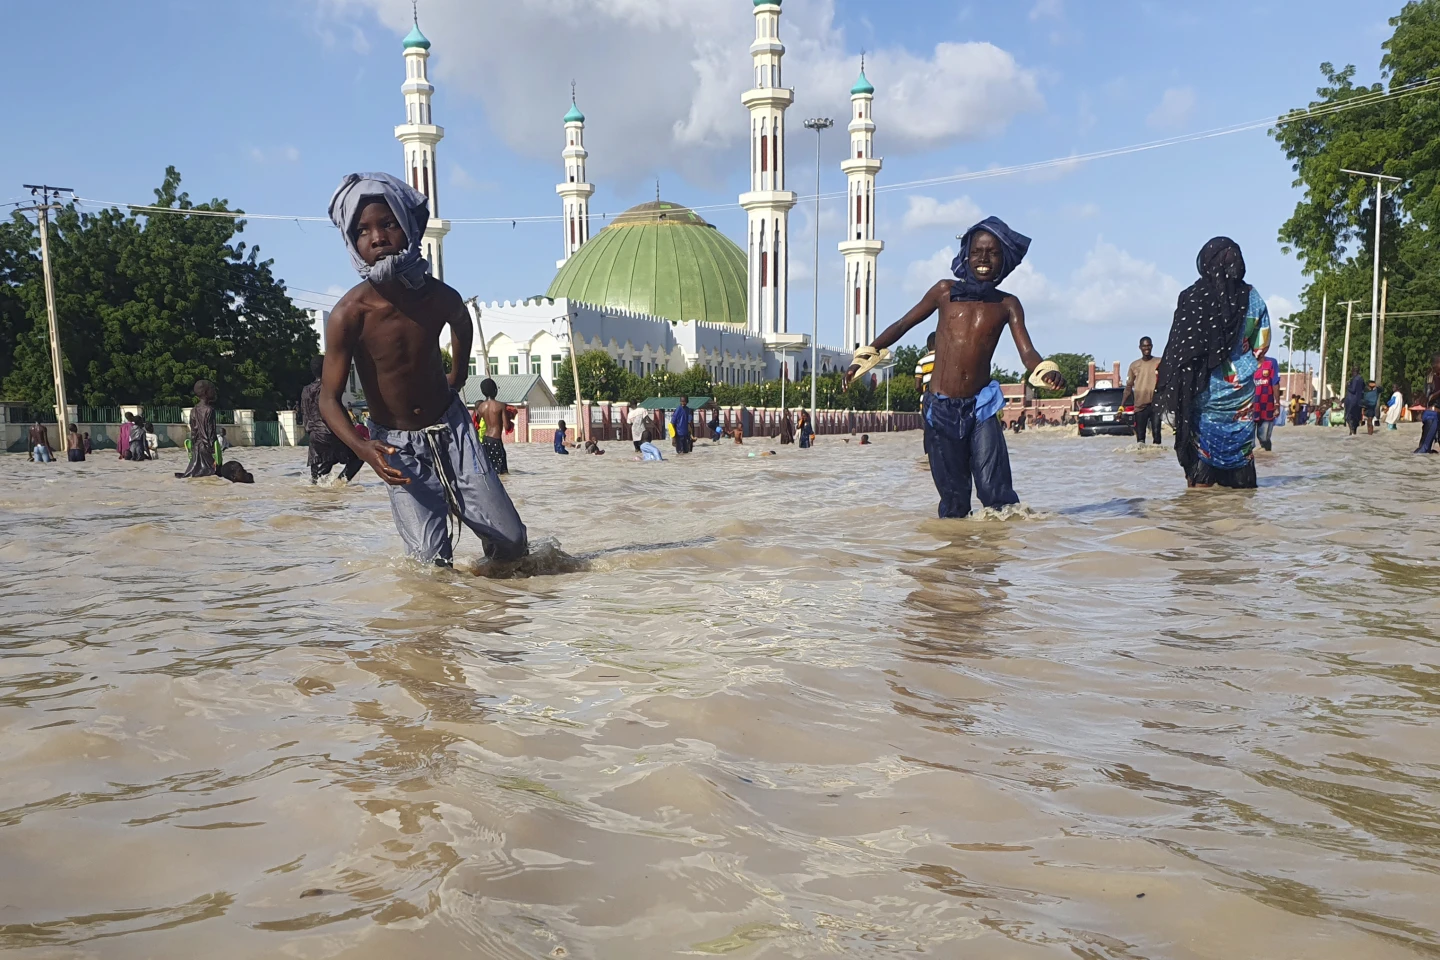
(49, 200)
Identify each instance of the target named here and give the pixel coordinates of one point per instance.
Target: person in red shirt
(1265, 410)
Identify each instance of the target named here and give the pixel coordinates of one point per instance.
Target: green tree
(148, 304)
(601, 378)
(1075, 368)
(1332, 227)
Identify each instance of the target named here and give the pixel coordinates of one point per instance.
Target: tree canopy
(147, 305)
(1332, 228)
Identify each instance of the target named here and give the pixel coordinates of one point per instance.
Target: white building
(531, 336)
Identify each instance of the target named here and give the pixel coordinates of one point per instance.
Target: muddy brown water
(781, 713)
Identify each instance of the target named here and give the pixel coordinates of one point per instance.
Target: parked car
(1103, 411)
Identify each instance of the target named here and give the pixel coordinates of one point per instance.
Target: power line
(1295, 116)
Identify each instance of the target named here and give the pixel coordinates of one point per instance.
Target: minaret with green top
(575, 192)
(418, 137)
(860, 248)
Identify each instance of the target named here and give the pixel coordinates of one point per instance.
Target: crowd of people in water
(441, 461)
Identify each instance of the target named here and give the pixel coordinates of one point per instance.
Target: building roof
(574, 116)
(862, 85)
(510, 389)
(662, 259)
(416, 39)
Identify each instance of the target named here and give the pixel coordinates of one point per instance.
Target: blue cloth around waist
(987, 402)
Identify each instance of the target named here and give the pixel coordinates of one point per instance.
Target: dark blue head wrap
(1013, 247)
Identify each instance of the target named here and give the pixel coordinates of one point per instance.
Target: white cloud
(1047, 10)
(1279, 307)
(1110, 287)
(1080, 211)
(1176, 107)
(957, 215)
(921, 275)
(286, 154)
(660, 82)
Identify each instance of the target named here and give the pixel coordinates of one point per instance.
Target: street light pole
(57, 359)
(817, 124)
(1380, 179)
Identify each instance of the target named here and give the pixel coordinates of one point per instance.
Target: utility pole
(57, 360)
(1380, 179)
(1380, 366)
(582, 422)
(474, 304)
(817, 124)
(1324, 307)
(1345, 357)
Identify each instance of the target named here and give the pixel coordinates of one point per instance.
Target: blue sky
(269, 103)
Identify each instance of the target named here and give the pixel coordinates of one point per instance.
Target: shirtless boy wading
(390, 325)
(966, 440)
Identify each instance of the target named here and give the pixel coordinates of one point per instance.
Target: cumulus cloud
(957, 215)
(660, 82)
(921, 275)
(1176, 107)
(1111, 286)
(1279, 307)
(285, 154)
(1047, 10)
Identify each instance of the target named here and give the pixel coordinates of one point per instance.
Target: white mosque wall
(530, 336)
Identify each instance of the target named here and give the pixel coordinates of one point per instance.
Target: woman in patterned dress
(1220, 334)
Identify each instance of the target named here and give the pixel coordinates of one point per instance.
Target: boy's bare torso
(397, 350)
(965, 342)
(492, 414)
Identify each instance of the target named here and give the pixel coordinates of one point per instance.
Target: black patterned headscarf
(1208, 318)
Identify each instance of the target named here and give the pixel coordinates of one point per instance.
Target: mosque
(659, 288)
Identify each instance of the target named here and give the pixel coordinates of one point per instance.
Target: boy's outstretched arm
(342, 331)
(921, 311)
(1028, 354)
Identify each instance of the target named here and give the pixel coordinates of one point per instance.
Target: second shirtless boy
(389, 325)
(966, 440)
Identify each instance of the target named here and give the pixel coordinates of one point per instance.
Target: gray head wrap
(411, 210)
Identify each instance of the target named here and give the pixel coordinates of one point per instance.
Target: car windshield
(1103, 398)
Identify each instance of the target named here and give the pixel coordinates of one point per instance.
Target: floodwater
(783, 713)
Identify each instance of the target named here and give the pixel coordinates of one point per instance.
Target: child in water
(423, 444)
(202, 432)
(966, 441)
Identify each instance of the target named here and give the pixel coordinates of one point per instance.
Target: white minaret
(418, 136)
(575, 191)
(860, 247)
(768, 203)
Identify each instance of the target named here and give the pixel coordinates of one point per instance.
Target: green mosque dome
(416, 39)
(862, 85)
(662, 259)
(574, 116)
(761, 3)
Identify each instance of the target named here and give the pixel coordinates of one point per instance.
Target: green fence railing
(97, 415)
(163, 414)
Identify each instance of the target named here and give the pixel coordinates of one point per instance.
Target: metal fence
(547, 415)
(97, 415)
